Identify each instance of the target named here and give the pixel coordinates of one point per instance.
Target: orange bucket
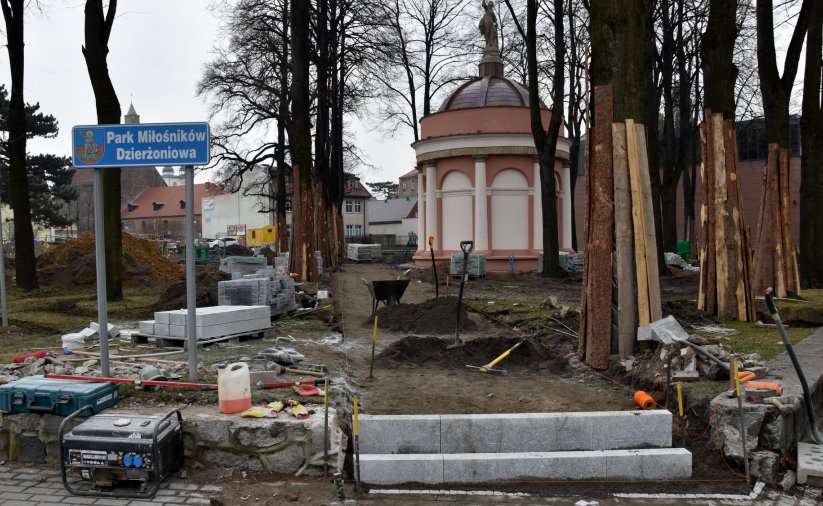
(644, 400)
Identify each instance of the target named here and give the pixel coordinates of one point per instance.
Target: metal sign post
(191, 281)
(3, 274)
(100, 258)
(139, 145)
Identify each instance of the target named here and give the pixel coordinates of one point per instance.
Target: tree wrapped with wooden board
(725, 251)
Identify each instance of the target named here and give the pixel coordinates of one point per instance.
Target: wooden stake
(649, 237)
(624, 256)
(599, 240)
(373, 344)
(643, 312)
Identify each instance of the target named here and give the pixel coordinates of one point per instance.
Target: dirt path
(426, 379)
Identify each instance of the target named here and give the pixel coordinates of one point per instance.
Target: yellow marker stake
(356, 427)
(373, 343)
(680, 398)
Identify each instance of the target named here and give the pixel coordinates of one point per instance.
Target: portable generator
(120, 455)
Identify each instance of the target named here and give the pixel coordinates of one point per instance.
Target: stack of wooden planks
(775, 258)
(620, 238)
(635, 167)
(725, 252)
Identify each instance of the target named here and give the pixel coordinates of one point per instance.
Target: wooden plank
(742, 285)
(777, 253)
(624, 256)
(790, 265)
(708, 195)
(719, 207)
(599, 247)
(650, 236)
(643, 314)
(704, 225)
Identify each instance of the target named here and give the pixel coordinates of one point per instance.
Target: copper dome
(488, 91)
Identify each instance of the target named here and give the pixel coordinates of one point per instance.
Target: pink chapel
(478, 177)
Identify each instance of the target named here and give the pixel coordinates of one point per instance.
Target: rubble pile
(87, 366)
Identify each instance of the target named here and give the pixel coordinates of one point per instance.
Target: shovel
(467, 247)
(489, 368)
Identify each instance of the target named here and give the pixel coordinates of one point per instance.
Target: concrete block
(146, 327)
(810, 464)
(392, 469)
(400, 434)
(225, 329)
(114, 330)
(162, 317)
(548, 432)
(162, 330)
(651, 464)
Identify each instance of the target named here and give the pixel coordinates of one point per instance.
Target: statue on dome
(488, 27)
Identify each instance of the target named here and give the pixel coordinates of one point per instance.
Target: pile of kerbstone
(266, 287)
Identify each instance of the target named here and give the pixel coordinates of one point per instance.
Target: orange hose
(747, 376)
(644, 400)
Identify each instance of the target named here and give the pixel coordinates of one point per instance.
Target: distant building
(407, 186)
(161, 212)
(394, 217)
(247, 204)
(355, 207)
(173, 176)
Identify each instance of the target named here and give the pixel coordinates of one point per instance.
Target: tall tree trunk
(95, 51)
(573, 117)
(338, 85)
(300, 140)
(280, 151)
(811, 169)
(775, 262)
(546, 140)
(725, 258)
(26, 265)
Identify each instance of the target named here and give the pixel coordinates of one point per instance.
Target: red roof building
(161, 211)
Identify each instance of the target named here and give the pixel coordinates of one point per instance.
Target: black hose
(807, 396)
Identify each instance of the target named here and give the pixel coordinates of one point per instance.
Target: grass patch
(39, 317)
(763, 340)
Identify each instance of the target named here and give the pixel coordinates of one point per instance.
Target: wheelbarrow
(387, 291)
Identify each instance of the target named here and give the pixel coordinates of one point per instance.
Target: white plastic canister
(234, 388)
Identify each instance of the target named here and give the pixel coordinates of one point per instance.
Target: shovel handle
(466, 246)
(431, 242)
(770, 303)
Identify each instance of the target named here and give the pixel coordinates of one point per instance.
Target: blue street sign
(140, 145)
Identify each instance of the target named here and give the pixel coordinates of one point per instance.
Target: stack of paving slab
(211, 322)
(476, 266)
(363, 252)
(264, 288)
(242, 265)
(434, 449)
(281, 263)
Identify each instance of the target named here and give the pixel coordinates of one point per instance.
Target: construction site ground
(414, 374)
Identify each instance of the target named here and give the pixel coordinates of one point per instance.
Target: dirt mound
(72, 264)
(206, 277)
(431, 352)
(435, 316)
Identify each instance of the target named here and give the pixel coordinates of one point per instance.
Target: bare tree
(13, 12)
(775, 261)
(422, 49)
(811, 171)
(95, 51)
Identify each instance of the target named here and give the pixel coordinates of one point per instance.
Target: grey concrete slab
(649, 464)
(400, 434)
(810, 464)
(392, 469)
(548, 432)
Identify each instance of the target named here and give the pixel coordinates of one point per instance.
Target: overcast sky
(157, 52)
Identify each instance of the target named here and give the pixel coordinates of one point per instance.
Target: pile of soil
(72, 264)
(435, 316)
(206, 279)
(431, 352)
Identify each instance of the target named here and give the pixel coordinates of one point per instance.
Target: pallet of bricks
(239, 266)
(476, 266)
(264, 288)
(363, 252)
(212, 322)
